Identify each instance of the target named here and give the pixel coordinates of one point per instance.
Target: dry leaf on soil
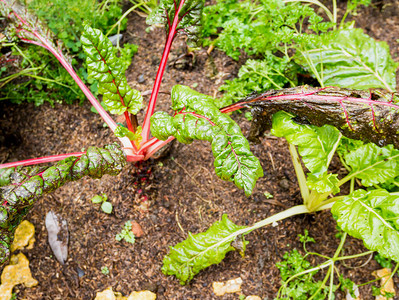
(253, 298)
(386, 282)
(17, 272)
(229, 286)
(24, 236)
(58, 236)
(109, 294)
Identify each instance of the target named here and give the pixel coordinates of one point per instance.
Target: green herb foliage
(301, 287)
(270, 29)
(49, 81)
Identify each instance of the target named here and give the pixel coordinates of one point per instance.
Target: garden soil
(173, 195)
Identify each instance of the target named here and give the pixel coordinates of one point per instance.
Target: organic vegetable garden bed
(175, 194)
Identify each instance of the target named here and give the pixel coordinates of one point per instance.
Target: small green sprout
(105, 205)
(268, 195)
(126, 234)
(105, 270)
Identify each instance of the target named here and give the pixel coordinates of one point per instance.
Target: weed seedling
(105, 270)
(126, 234)
(105, 205)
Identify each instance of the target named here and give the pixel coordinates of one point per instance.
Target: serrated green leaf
(351, 59)
(198, 118)
(202, 250)
(326, 183)
(316, 145)
(190, 17)
(373, 164)
(372, 216)
(103, 65)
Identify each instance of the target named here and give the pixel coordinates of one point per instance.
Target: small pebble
(284, 184)
(81, 273)
(141, 79)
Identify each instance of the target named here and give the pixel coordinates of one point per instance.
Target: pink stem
(156, 146)
(158, 78)
(40, 160)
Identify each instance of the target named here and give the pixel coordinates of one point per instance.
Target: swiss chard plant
(342, 115)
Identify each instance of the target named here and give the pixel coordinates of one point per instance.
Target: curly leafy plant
(196, 116)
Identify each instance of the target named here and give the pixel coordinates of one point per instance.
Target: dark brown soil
(172, 196)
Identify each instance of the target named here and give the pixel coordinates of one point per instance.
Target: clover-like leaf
(197, 117)
(103, 65)
(202, 250)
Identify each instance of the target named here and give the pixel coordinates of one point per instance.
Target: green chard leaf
(198, 118)
(372, 216)
(323, 184)
(202, 250)
(26, 185)
(316, 145)
(103, 65)
(351, 59)
(373, 164)
(190, 16)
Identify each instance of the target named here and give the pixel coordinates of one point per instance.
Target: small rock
(230, 286)
(24, 236)
(141, 79)
(136, 229)
(17, 272)
(284, 184)
(81, 273)
(253, 298)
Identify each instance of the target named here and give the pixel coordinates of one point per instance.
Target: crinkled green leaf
(103, 65)
(316, 145)
(373, 164)
(190, 16)
(202, 250)
(351, 59)
(327, 183)
(198, 118)
(372, 216)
